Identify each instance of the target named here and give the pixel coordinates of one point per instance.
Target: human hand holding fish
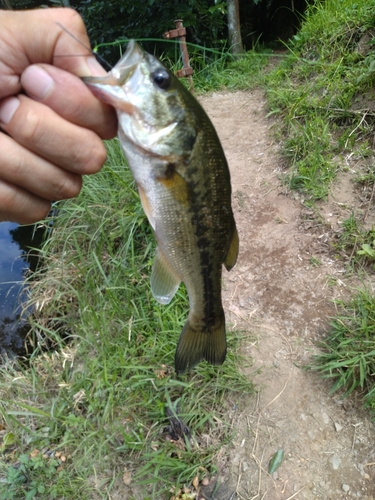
(51, 125)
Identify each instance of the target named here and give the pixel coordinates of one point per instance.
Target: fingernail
(95, 68)
(37, 82)
(8, 108)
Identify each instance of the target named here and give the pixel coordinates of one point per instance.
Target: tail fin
(195, 345)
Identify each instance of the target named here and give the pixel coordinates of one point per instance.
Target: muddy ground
(282, 302)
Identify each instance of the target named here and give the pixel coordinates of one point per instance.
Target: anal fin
(164, 281)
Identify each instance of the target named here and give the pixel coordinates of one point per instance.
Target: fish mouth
(123, 70)
(111, 87)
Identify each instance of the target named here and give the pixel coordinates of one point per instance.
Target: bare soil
(282, 301)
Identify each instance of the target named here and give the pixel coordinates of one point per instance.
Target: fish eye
(161, 78)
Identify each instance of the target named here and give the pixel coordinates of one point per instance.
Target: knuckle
(69, 187)
(95, 159)
(40, 211)
(74, 20)
(30, 129)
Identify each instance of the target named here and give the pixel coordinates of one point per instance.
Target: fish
(183, 180)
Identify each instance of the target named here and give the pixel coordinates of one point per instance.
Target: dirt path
(282, 302)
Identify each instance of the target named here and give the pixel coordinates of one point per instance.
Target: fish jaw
(111, 87)
(123, 70)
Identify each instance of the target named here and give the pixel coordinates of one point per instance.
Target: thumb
(36, 36)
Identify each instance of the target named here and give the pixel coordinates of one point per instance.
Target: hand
(51, 136)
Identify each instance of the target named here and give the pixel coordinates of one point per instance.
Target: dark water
(16, 261)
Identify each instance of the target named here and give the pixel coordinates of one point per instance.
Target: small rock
(312, 433)
(335, 461)
(245, 466)
(338, 427)
(345, 487)
(275, 475)
(325, 417)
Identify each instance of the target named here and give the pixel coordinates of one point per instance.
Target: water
(16, 261)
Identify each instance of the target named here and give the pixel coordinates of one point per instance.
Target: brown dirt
(277, 296)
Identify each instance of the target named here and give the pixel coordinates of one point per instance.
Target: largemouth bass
(184, 184)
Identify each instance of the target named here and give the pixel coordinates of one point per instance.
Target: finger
(70, 98)
(35, 36)
(42, 131)
(42, 40)
(22, 168)
(18, 205)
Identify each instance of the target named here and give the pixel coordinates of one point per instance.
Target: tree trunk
(234, 27)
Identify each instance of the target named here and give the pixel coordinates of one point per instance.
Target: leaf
(275, 461)
(9, 439)
(31, 494)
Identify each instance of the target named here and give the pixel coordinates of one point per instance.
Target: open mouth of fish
(110, 88)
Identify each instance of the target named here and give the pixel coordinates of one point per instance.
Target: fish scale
(184, 184)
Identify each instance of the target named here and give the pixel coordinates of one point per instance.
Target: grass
(323, 92)
(98, 383)
(223, 71)
(348, 355)
(357, 242)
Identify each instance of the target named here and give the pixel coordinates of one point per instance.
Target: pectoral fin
(146, 207)
(231, 257)
(164, 282)
(176, 184)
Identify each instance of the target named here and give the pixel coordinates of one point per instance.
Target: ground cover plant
(349, 350)
(323, 93)
(99, 388)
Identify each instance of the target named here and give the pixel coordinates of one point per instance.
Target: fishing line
(97, 56)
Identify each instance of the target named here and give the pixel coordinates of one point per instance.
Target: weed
(316, 88)
(349, 349)
(33, 476)
(315, 262)
(356, 242)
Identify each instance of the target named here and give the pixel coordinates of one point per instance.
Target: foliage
(205, 21)
(32, 476)
(330, 66)
(349, 350)
(357, 242)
